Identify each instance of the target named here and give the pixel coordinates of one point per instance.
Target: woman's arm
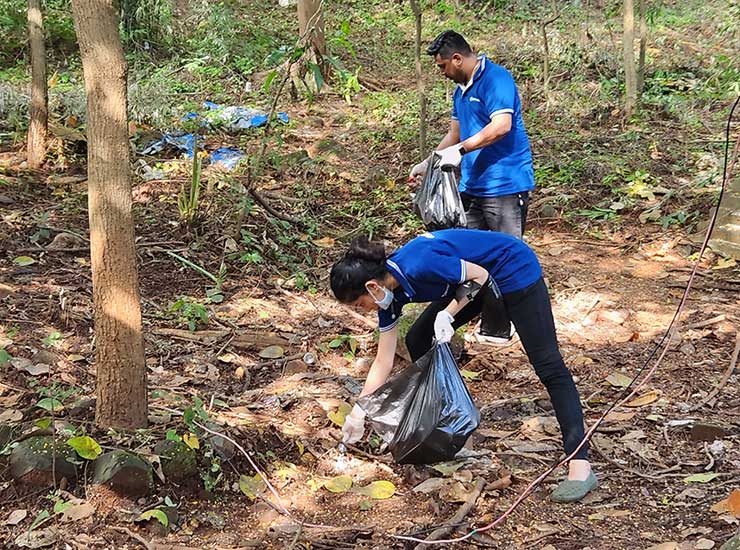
(383, 363)
(474, 272)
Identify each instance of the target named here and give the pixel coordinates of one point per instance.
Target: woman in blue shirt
(454, 269)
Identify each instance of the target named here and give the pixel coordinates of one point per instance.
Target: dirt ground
(613, 299)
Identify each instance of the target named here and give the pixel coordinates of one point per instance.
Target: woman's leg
(531, 313)
(420, 336)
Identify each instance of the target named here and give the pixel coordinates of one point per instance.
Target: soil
(613, 299)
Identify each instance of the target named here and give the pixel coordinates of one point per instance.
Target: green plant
(347, 342)
(189, 197)
(52, 339)
(190, 311)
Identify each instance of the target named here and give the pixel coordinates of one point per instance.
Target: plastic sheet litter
(226, 157)
(183, 142)
(425, 413)
(438, 200)
(235, 117)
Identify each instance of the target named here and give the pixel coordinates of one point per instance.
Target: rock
(707, 432)
(82, 408)
(33, 459)
(224, 448)
(548, 211)
(124, 472)
(65, 240)
(179, 462)
(6, 200)
(44, 356)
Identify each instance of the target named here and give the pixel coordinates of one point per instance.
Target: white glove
(354, 426)
(443, 330)
(450, 157)
(419, 170)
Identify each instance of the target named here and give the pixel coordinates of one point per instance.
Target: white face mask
(385, 301)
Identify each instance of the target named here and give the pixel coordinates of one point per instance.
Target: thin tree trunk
(416, 9)
(630, 73)
(38, 112)
(643, 45)
(546, 53)
(119, 346)
(311, 19)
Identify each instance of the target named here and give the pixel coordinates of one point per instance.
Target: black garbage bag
(425, 413)
(438, 200)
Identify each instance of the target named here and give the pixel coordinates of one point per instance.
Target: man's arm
(499, 126)
(452, 136)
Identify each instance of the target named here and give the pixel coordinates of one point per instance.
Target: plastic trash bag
(438, 200)
(425, 413)
(226, 157)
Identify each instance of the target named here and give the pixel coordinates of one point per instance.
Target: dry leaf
(733, 503)
(340, 414)
(16, 516)
(704, 544)
(78, 512)
(644, 399)
(379, 490)
(454, 492)
(501, 483)
(619, 380)
(430, 485)
(339, 484)
(325, 242)
(251, 486)
(272, 352)
(618, 416)
(666, 546)
(11, 415)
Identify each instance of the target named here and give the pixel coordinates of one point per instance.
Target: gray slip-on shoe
(573, 490)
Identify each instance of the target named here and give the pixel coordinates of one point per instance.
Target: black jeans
(505, 214)
(530, 311)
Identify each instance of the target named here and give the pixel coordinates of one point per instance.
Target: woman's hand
(443, 330)
(354, 426)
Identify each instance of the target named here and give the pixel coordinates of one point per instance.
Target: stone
(39, 460)
(179, 462)
(46, 357)
(295, 366)
(224, 448)
(123, 472)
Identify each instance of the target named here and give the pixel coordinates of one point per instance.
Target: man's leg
(473, 212)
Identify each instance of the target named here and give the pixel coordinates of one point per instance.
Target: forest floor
(613, 299)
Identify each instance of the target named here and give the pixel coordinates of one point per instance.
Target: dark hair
(365, 260)
(449, 43)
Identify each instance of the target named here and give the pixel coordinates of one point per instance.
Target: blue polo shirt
(504, 167)
(431, 267)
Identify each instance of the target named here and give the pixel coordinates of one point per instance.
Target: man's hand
(443, 330)
(418, 171)
(354, 426)
(450, 157)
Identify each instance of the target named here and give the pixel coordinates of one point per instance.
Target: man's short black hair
(449, 43)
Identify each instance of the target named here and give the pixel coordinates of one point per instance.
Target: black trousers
(530, 311)
(505, 214)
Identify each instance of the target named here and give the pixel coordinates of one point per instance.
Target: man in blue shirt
(487, 141)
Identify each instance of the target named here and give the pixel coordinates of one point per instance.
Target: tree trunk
(546, 53)
(416, 9)
(311, 26)
(119, 346)
(38, 112)
(643, 45)
(630, 73)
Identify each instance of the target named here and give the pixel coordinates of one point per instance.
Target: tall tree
(628, 48)
(119, 347)
(420, 88)
(546, 53)
(311, 27)
(643, 46)
(38, 113)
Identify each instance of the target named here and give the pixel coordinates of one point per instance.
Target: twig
(712, 321)
(295, 539)
(457, 518)
(138, 538)
(664, 473)
(721, 384)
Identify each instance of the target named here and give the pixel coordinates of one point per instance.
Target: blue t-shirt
(504, 167)
(430, 267)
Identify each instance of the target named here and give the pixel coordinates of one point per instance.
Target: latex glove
(419, 170)
(443, 330)
(354, 426)
(450, 157)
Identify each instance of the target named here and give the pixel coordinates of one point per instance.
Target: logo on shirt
(474, 99)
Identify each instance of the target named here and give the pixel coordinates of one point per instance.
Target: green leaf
(252, 486)
(317, 76)
(85, 446)
(365, 505)
(60, 506)
(700, 478)
(41, 518)
(4, 357)
(336, 343)
(469, 374)
(339, 484)
(49, 404)
(268, 81)
(43, 423)
(448, 468)
(340, 414)
(24, 261)
(191, 441)
(379, 490)
(188, 415)
(155, 513)
(171, 435)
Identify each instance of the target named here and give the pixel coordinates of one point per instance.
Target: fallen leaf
(191, 441)
(447, 468)
(501, 483)
(469, 374)
(23, 261)
(339, 484)
(154, 513)
(340, 414)
(722, 263)
(272, 352)
(378, 490)
(619, 380)
(430, 485)
(466, 476)
(325, 242)
(704, 544)
(644, 399)
(11, 415)
(75, 358)
(454, 492)
(85, 446)
(16, 516)
(37, 539)
(251, 486)
(78, 512)
(733, 503)
(618, 416)
(701, 478)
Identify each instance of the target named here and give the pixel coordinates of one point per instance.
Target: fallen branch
(150, 545)
(458, 517)
(721, 384)
(712, 321)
